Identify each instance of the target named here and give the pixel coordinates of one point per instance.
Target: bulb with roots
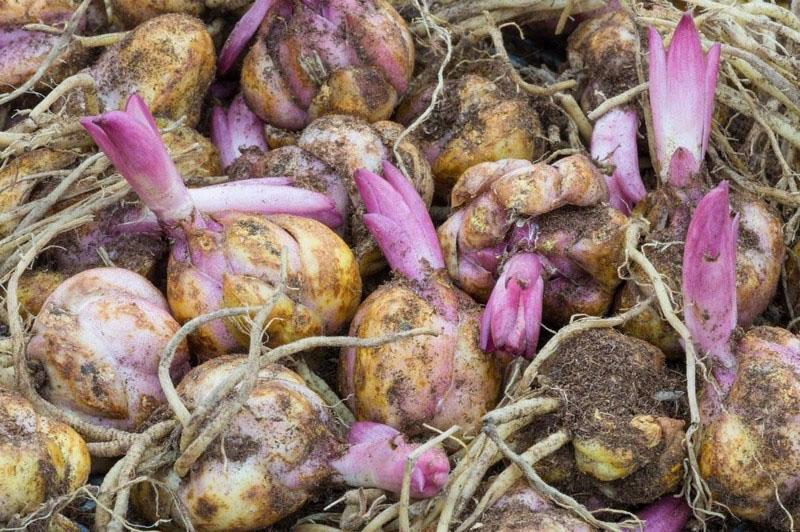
(317, 57)
(98, 341)
(276, 453)
(173, 79)
(325, 158)
(128, 235)
(232, 257)
(616, 438)
(25, 50)
(554, 219)
(42, 459)
(476, 121)
(748, 449)
(442, 380)
(116, 233)
(523, 509)
(682, 85)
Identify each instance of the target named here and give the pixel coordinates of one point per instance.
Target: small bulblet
(242, 260)
(440, 380)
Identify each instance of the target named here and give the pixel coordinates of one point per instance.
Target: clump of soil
(602, 375)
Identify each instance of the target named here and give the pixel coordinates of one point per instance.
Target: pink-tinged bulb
(99, 338)
(709, 281)
(682, 84)
(614, 142)
(277, 452)
(513, 314)
(441, 380)
(667, 514)
(231, 257)
(235, 130)
(132, 142)
(399, 220)
(377, 457)
(330, 57)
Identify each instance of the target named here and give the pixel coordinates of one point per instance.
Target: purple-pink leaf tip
(667, 514)
(131, 140)
(377, 457)
(614, 142)
(399, 220)
(682, 82)
(512, 318)
(709, 280)
(242, 32)
(235, 130)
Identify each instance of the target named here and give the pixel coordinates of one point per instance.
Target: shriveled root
(559, 498)
(435, 33)
(47, 515)
(509, 477)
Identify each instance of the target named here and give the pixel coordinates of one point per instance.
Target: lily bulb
(682, 82)
(233, 258)
(667, 514)
(236, 130)
(614, 143)
(98, 339)
(747, 455)
(441, 380)
(315, 57)
(709, 281)
(533, 240)
(280, 450)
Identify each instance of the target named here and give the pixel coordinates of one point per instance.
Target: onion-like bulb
(443, 380)
(233, 259)
(277, 451)
(98, 340)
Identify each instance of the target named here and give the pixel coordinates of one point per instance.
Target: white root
(510, 475)
(559, 498)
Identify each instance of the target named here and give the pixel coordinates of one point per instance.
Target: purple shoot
(399, 220)
(245, 28)
(614, 142)
(235, 130)
(377, 458)
(132, 142)
(265, 195)
(682, 84)
(667, 514)
(513, 314)
(709, 281)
